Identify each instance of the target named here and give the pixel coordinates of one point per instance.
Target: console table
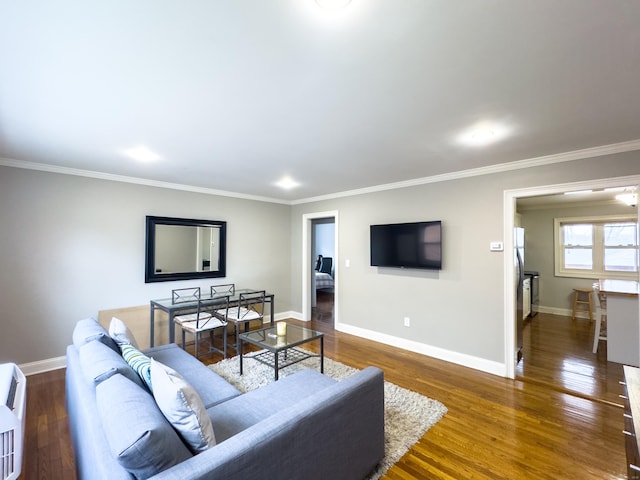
(167, 305)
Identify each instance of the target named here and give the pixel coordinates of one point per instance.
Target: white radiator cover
(13, 404)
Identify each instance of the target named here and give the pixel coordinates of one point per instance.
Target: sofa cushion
(211, 387)
(182, 407)
(258, 404)
(139, 436)
(89, 329)
(121, 333)
(139, 362)
(99, 362)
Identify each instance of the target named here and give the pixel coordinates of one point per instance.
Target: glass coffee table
(279, 350)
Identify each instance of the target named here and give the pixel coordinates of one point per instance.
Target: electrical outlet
(407, 322)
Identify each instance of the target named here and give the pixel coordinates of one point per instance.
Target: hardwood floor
(495, 428)
(557, 352)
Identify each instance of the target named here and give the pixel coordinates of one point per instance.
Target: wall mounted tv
(407, 245)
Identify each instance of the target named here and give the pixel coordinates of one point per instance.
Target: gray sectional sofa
(305, 426)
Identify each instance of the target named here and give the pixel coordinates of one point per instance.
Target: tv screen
(407, 245)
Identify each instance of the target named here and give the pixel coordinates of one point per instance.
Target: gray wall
(71, 246)
(459, 310)
(556, 293)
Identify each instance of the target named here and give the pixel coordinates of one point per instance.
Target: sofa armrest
(337, 433)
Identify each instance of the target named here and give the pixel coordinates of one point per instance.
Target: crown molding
(43, 167)
(582, 154)
(599, 151)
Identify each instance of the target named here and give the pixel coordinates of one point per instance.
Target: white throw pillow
(182, 407)
(120, 333)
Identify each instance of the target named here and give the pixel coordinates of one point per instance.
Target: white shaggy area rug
(408, 415)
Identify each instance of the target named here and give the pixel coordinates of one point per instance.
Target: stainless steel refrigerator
(518, 259)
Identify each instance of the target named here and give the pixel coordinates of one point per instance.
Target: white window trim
(558, 248)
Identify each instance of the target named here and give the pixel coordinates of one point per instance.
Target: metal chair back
(183, 295)
(251, 304)
(225, 289)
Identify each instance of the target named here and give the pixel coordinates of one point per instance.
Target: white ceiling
(233, 95)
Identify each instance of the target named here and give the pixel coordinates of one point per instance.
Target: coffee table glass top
(267, 337)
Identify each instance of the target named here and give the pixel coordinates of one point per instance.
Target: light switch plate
(496, 246)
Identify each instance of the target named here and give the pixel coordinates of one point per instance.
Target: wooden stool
(582, 301)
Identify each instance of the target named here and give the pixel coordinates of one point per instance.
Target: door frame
(307, 236)
(510, 200)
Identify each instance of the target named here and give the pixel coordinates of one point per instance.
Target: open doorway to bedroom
(323, 282)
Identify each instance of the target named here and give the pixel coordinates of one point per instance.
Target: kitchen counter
(623, 321)
(620, 287)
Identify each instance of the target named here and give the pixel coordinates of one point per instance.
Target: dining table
(172, 308)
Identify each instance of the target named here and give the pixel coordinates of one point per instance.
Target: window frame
(598, 271)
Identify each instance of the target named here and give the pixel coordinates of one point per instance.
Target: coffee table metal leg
(275, 365)
(321, 354)
(241, 349)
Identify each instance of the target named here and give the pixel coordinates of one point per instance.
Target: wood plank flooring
(495, 428)
(557, 352)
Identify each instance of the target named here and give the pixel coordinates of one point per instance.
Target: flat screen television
(407, 245)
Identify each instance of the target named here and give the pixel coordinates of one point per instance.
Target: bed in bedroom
(324, 280)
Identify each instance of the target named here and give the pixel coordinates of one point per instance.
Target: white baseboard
(565, 312)
(285, 315)
(488, 366)
(42, 366)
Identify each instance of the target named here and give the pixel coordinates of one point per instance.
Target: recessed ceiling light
(141, 153)
(333, 4)
(483, 133)
(287, 183)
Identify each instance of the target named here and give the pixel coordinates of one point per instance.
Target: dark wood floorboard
(528, 428)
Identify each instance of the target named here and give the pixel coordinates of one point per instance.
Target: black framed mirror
(184, 249)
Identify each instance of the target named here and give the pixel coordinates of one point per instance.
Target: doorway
(320, 237)
(323, 280)
(575, 369)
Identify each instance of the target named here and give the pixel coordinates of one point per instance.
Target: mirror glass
(183, 249)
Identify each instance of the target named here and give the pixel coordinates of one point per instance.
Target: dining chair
(206, 319)
(183, 295)
(249, 308)
(601, 316)
(224, 289)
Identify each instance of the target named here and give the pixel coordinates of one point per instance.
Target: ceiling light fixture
(482, 134)
(287, 183)
(333, 4)
(141, 153)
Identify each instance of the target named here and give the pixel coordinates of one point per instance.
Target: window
(596, 247)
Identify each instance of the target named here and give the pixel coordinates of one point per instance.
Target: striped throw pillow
(139, 362)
